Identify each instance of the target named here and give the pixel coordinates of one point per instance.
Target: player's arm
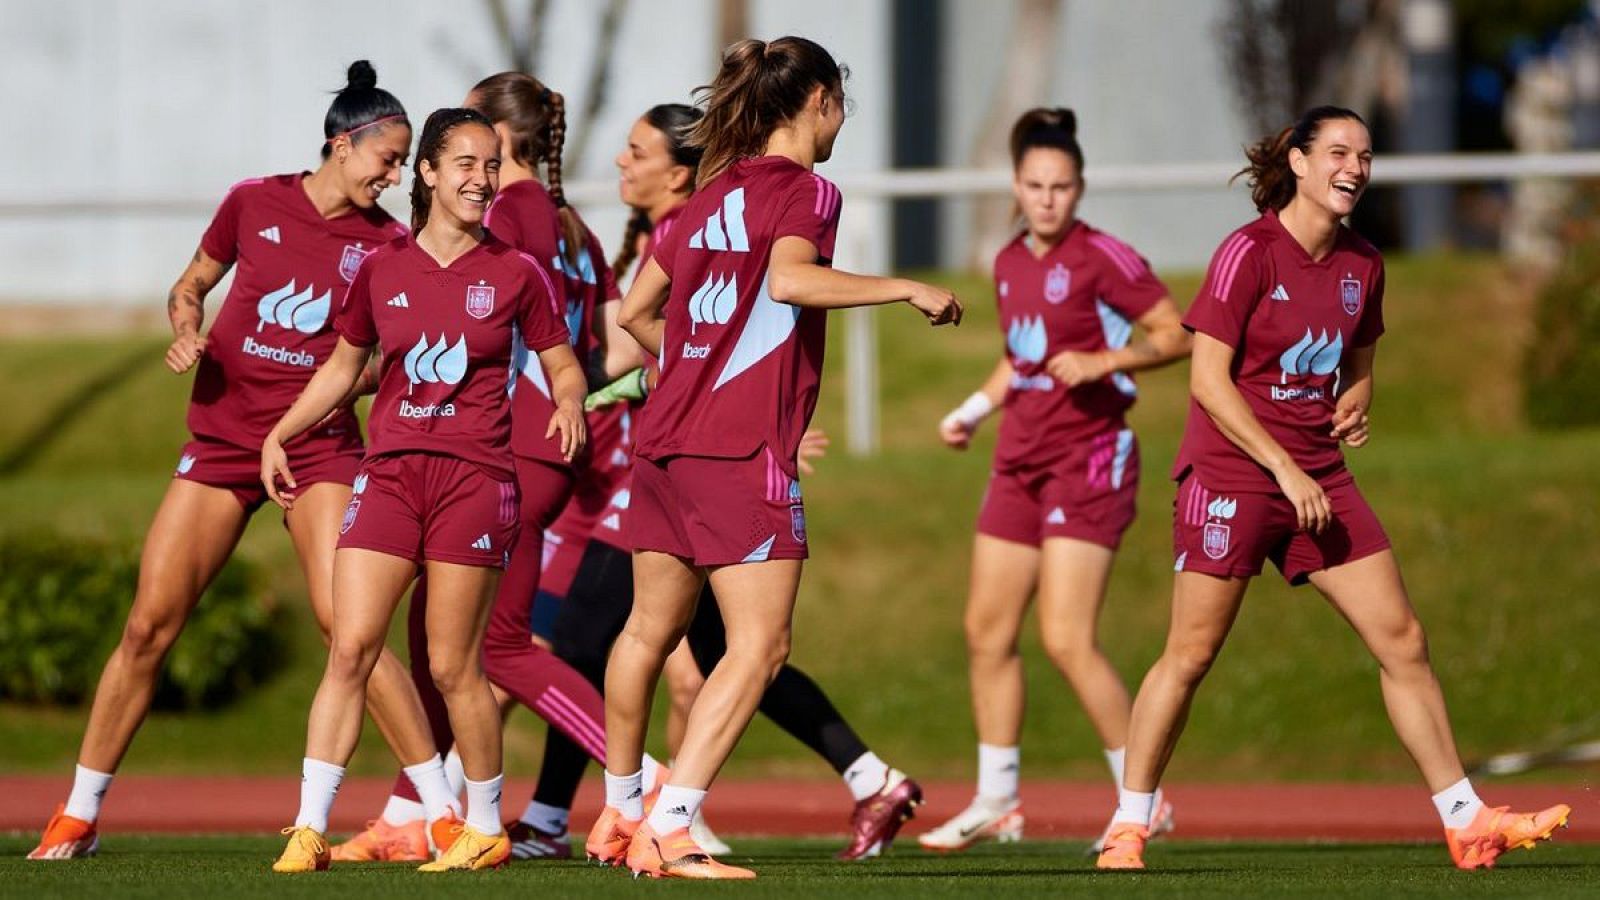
(1211, 384)
(958, 426)
(322, 394)
(641, 314)
(622, 354)
(186, 310)
(1350, 422)
(795, 277)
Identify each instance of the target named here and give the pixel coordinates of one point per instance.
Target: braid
(638, 227)
(571, 227)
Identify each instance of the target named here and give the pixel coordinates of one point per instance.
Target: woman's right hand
(185, 351)
(275, 468)
(1312, 511)
(956, 434)
(938, 304)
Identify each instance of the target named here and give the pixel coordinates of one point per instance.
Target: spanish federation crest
(350, 512)
(1350, 295)
(480, 300)
(350, 261)
(797, 523)
(1056, 284)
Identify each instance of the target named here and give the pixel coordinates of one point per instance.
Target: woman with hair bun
(1286, 327)
(733, 302)
(297, 241)
(1066, 466)
(438, 489)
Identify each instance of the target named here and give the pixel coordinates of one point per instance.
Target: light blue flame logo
(438, 363)
(1222, 508)
(185, 463)
(714, 302)
(301, 310)
(360, 484)
(1312, 356)
(1026, 339)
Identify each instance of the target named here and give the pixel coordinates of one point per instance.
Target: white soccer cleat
(705, 837)
(1160, 823)
(982, 820)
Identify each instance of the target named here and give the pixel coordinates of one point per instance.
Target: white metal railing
(1397, 169)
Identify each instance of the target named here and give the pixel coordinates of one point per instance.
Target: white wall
(177, 99)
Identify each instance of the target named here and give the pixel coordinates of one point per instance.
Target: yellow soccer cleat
(307, 851)
(1496, 829)
(382, 842)
(471, 850)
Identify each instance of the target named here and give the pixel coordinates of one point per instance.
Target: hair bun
(361, 76)
(1068, 121)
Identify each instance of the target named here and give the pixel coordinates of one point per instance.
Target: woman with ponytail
(1066, 466)
(437, 489)
(296, 241)
(734, 303)
(1286, 326)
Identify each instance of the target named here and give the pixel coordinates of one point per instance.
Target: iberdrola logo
(302, 310)
(1026, 339)
(436, 363)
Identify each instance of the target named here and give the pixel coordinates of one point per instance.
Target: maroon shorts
(716, 512)
(422, 506)
(1089, 495)
(1230, 535)
(238, 469)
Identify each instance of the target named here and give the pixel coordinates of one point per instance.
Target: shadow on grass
(61, 416)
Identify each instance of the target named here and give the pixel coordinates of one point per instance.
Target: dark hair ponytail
(1272, 182)
(537, 119)
(1040, 127)
(673, 120)
(435, 134)
(761, 85)
(359, 105)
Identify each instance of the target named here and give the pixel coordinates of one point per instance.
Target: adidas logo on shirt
(1056, 517)
(271, 234)
(399, 301)
(1280, 294)
(482, 543)
(724, 229)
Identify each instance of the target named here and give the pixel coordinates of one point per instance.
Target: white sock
(650, 773)
(437, 798)
(1457, 804)
(319, 784)
(675, 808)
(866, 776)
(1114, 759)
(1134, 807)
(625, 794)
(88, 789)
(483, 805)
(997, 771)
(455, 775)
(400, 811)
(549, 819)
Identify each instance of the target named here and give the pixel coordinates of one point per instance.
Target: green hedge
(1563, 363)
(62, 608)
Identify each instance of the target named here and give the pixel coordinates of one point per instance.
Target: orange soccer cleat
(676, 855)
(1124, 847)
(66, 837)
(610, 837)
(1496, 829)
(382, 842)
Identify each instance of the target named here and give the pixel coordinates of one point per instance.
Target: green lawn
(211, 866)
(1496, 526)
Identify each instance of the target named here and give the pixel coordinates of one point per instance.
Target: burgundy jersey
(1290, 320)
(292, 268)
(523, 215)
(1084, 294)
(739, 369)
(446, 333)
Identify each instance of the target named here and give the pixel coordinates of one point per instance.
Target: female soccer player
(1066, 468)
(297, 241)
(1286, 326)
(530, 121)
(733, 302)
(437, 488)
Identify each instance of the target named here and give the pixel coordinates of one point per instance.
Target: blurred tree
(1285, 56)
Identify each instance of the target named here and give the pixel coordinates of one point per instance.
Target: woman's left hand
(1351, 425)
(568, 422)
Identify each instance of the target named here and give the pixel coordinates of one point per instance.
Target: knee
(1070, 651)
(147, 638)
(1406, 646)
(766, 655)
(987, 642)
(452, 672)
(1190, 660)
(350, 659)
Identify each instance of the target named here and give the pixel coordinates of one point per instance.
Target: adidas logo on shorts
(399, 301)
(271, 233)
(482, 543)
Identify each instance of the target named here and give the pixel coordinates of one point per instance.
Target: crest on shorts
(797, 522)
(1218, 535)
(350, 261)
(1350, 295)
(480, 300)
(1057, 283)
(350, 512)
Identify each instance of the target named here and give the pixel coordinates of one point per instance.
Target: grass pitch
(237, 867)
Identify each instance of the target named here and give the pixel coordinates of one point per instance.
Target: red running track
(1355, 812)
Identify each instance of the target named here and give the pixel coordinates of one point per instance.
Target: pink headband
(377, 121)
